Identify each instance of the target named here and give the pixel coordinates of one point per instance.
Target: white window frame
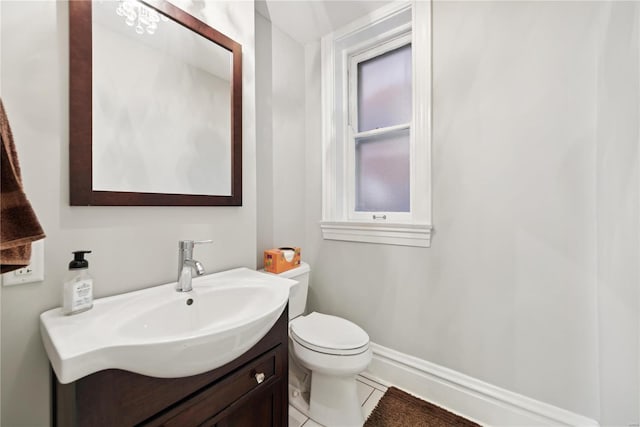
(385, 29)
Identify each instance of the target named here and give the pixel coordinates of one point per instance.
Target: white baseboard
(476, 400)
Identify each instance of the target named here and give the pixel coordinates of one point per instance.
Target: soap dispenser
(78, 286)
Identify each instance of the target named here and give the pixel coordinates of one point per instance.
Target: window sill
(418, 235)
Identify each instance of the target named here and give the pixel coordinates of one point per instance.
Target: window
(379, 130)
(376, 136)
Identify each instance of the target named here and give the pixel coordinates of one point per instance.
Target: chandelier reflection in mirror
(143, 17)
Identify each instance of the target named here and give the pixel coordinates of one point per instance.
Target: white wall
(618, 213)
(289, 143)
(264, 136)
(524, 104)
(281, 169)
(133, 247)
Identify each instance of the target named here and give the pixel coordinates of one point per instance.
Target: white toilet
(335, 350)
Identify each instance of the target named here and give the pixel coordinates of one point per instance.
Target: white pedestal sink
(163, 333)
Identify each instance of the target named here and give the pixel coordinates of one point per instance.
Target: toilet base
(299, 400)
(334, 401)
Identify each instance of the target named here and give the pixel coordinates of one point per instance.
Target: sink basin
(163, 333)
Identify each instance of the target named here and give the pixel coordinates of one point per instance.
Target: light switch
(34, 272)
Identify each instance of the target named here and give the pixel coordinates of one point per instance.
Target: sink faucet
(186, 264)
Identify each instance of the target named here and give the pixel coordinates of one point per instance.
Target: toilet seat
(328, 334)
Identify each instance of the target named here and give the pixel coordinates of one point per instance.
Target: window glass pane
(384, 90)
(382, 173)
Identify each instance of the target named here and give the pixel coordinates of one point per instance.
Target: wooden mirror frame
(81, 116)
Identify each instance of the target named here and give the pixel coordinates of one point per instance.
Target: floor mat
(398, 408)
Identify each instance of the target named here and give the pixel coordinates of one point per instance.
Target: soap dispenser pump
(78, 286)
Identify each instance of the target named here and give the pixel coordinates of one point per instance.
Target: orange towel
(19, 225)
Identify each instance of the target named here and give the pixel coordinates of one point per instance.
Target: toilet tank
(298, 292)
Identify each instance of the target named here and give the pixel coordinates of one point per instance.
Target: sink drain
(190, 301)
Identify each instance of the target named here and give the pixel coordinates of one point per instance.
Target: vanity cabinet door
(262, 408)
(253, 382)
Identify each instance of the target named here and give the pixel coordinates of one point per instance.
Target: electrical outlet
(34, 272)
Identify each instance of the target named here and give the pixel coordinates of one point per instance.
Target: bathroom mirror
(155, 107)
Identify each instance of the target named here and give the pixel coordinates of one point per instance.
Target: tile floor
(369, 391)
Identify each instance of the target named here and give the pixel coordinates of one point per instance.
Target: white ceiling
(308, 20)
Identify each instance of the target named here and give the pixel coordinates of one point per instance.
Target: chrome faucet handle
(189, 244)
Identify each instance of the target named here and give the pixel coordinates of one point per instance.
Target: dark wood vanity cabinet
(249, 391)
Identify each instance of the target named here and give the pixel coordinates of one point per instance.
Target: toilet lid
(329, 334)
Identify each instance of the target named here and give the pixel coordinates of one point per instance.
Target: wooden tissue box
(279, 260)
